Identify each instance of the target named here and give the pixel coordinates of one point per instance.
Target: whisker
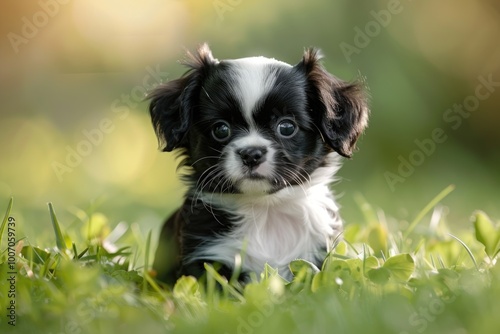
(202, 158)
(300, 179)
(206, 93)
(202, 181)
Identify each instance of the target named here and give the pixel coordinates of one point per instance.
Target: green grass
(380, 278)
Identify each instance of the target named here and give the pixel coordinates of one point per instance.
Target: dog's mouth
(255, 183)
(253, 174)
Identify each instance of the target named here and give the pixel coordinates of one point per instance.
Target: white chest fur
(277, 233)
(296, 222)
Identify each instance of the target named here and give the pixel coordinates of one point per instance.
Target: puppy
(261, 141)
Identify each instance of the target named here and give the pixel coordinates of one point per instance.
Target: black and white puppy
(261, 141)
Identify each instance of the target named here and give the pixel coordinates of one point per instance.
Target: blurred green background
(74, 73)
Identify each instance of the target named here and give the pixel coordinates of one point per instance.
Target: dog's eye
(221, 131)
(287, 128)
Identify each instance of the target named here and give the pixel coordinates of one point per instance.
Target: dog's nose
(253, 156)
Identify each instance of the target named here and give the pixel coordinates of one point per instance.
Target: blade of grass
(383, 255)
(82, 253)
(331, 249)
(5, 218)
(238, 260)
(467, 249)
(45, 270)
(30, 258)
(364, 259)
(428, 208)
(338, 256)
(433, 262)
(61, 244)
(146, 264)
(211, 287)
(366, 209)
(223, 282)
(237, 269)
(98, 253)
(351, 246)
(75, 252)
(334, 243)
(156, 288)
(441, 262)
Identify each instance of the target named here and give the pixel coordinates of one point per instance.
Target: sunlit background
(75, 131)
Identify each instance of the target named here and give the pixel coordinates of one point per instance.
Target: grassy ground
(379, 278)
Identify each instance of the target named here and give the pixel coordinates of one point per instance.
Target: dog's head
(256, 125)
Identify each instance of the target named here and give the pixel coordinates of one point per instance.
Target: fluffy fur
(261, 141)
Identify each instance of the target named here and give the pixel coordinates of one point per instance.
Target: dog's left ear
(172, 104)
(339, 108)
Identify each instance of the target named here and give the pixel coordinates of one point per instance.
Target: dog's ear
(171, 104)
(339, 108)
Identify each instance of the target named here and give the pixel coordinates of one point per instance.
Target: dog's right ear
(171, 104)
(339, 108)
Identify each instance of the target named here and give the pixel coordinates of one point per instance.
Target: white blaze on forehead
(254, 78)
(253, 138)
